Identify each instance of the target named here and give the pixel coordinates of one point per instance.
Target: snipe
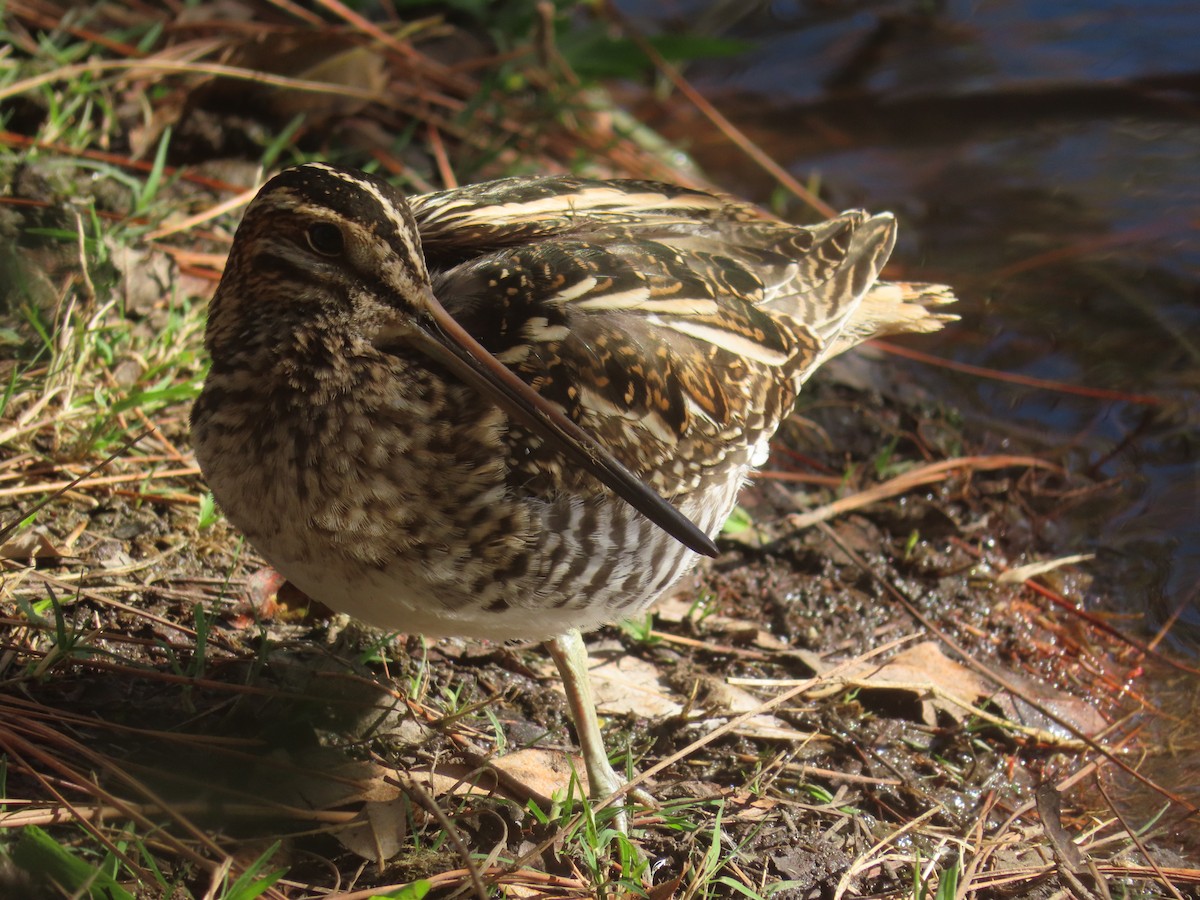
(517, 409)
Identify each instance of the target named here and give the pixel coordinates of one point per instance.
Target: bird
(519, 409)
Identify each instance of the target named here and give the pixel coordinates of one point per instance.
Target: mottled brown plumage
(361, 422)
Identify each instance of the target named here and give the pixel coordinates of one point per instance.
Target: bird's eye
(326, 239)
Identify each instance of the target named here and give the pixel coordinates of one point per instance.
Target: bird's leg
(570, 655)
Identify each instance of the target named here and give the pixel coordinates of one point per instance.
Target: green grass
(101, 338)
(50, 862)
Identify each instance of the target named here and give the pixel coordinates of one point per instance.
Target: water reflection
(1042, 157)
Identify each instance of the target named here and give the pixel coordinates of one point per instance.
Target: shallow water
(1044, 158)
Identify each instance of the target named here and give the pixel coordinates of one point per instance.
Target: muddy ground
(167, 707)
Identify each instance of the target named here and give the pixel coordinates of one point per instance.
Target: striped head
(319, 246)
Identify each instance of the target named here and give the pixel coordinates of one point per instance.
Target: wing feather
(675, 325)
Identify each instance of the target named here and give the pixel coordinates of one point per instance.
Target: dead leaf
(31, 545)
(342, 782)
(539, 774)
(381, 834)
(940, 684)
(627, 684)
(721, 697)
(666, 890)
(532, 773)
(146, 276)
(1075, 711)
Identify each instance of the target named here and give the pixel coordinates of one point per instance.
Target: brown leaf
(146, 276)
(531, 773)
(942, 685)
(30, 545)
(539, 773)
(627, 684)
(381, 834)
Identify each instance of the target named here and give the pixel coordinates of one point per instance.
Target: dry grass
(163, 736)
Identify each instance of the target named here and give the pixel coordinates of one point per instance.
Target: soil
(290, 725)
(154, 678)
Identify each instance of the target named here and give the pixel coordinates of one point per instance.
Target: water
(1044, 158)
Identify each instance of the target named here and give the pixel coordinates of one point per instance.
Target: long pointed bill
(454, 348)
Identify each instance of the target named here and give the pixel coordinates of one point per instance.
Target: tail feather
(894, 307)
